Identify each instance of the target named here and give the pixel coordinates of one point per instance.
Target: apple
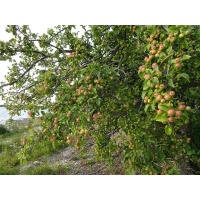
(178, 60)
(77, 119)
(85, 135)
(177, 65)
(153, 47)
(181, 35)
(52, 138)
(171, 93)
(162, 100)
(161, 86)
(155, 94)
(178, 113)
(172, 39)
(69, 141)
(188, 108)
(153, 52)
(154, 42)
(181, 107)
(55, 119)
(159, 111)
(30, 113)
(159, 97)
(154, 65)
(167, 96)
(147, 76)
(171, 119)
(68, 114)
(171, 112)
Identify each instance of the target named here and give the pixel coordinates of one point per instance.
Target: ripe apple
(177, 65)
(178, 113)
(147, 76)
(178, 60)
(69, 141)
(171, 119)
(161, 86)
(77, 119)
(181, 107)
(171, 93)
(52, 138)
(154, 65)
(159, 97)
(68, 114)
(171, 112)
(55, 119)
(155, 94)
(159, 111)
(167, 96)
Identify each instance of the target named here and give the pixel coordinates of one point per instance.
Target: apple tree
(132, 90)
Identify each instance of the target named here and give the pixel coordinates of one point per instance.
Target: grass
(10, 143)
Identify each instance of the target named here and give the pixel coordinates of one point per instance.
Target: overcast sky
(6, 36)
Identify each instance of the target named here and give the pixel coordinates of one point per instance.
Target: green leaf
(153, 106)
(164, 107)
(146, 107)
(186, 57)
(185, 117)
(169, 129)
(144, 94)
(146, 85)
(184, 75)
(171, 83)
(161, 118)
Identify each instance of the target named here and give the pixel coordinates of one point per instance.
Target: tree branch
(7, 84)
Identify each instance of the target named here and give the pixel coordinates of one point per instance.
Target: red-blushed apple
(153, 52)
(178, 60)
(167, 96)
(178, 113)
(69, 141)
(52, 138)
(177, 65)
(154, 65)
(147, 76)
(161, 86)
(171, 119)
(171, 112)
(69, 114)
(77, 119)
(181, 107)
(159, 112)
(171, 93)
(155, 94)
(159, 97)
(55, 119)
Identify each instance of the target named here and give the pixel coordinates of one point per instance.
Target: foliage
(3, 129)
(133, 89)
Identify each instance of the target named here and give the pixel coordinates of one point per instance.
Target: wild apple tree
(133, 89)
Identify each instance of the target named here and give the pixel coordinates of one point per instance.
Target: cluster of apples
(177, 112)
